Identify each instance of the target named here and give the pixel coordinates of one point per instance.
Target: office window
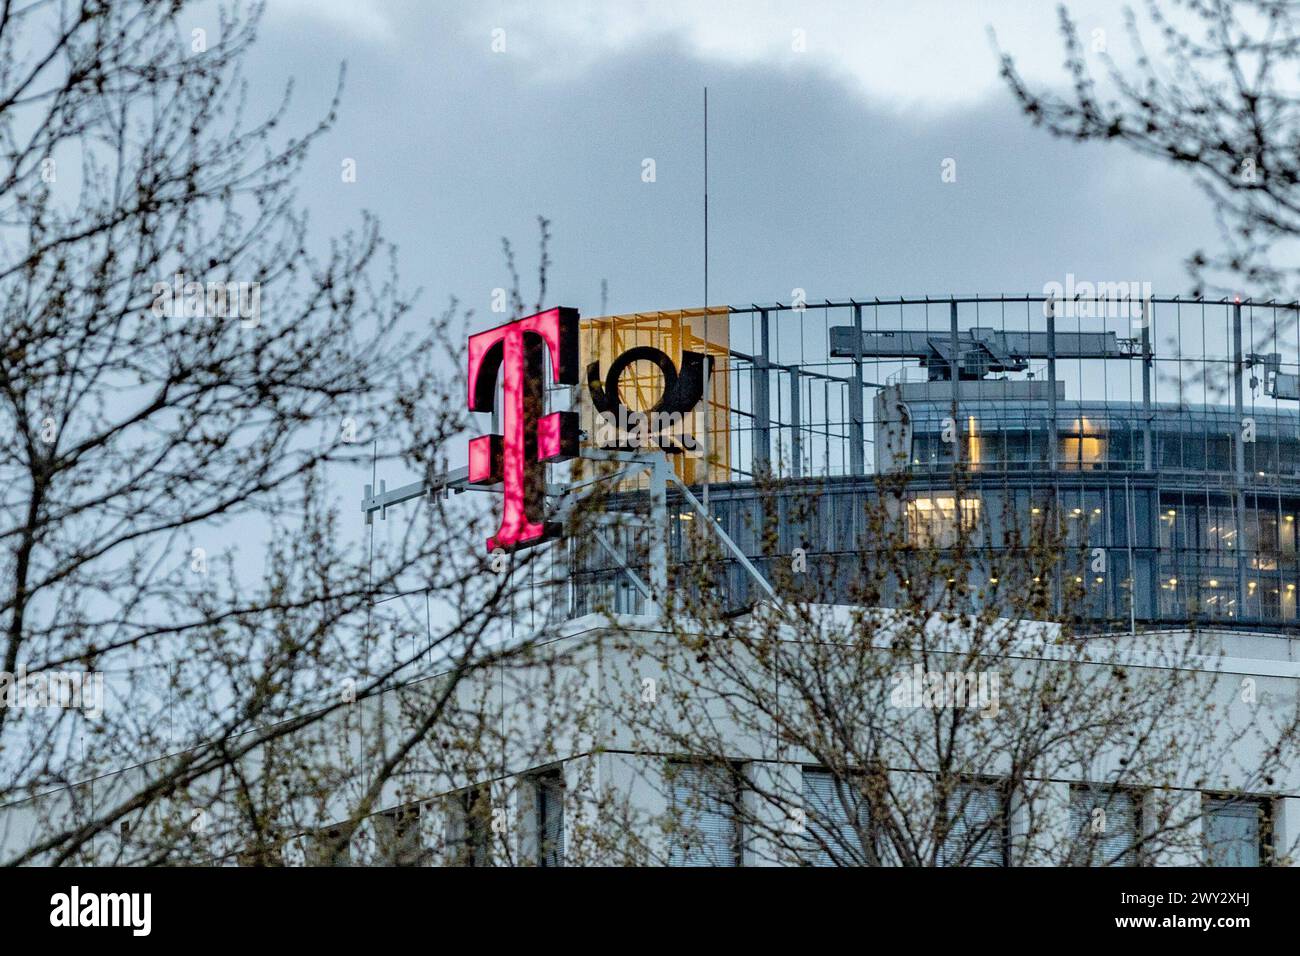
(977, 827)
(835, 812)
(1104, 824)
(1237, 831)
(330, 847)
(400, 842)
(943, 521)
(1083, 445)
(549, 798)
(469, 828)
(704, 801)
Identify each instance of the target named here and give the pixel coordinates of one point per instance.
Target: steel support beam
(455, 480)
(1239, 405)
(725, 538)
(1148, 360)
(796, 424)
(1052, 451)
(657, 550)
(857, 442)
(954, 367)
(632, 575)
(762, 457)
(995, 350)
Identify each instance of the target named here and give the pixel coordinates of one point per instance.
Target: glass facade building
(1160, 438)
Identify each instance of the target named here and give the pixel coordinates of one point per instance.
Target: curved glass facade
(1162, 440)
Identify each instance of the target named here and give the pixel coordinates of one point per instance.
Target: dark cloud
(811, 184)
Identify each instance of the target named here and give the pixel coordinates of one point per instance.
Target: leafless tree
(946, 713)
(189, 380)
(1218, 98)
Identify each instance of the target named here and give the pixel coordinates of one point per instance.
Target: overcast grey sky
(825, 164)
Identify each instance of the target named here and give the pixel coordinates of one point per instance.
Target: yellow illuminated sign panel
(703, 433)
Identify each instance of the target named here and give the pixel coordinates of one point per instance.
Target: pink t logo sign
(514, 351)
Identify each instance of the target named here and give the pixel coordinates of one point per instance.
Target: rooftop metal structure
(1172, 424)
(1181, 347)
(1165, 432)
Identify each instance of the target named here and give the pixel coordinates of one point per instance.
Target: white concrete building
(569, 775)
